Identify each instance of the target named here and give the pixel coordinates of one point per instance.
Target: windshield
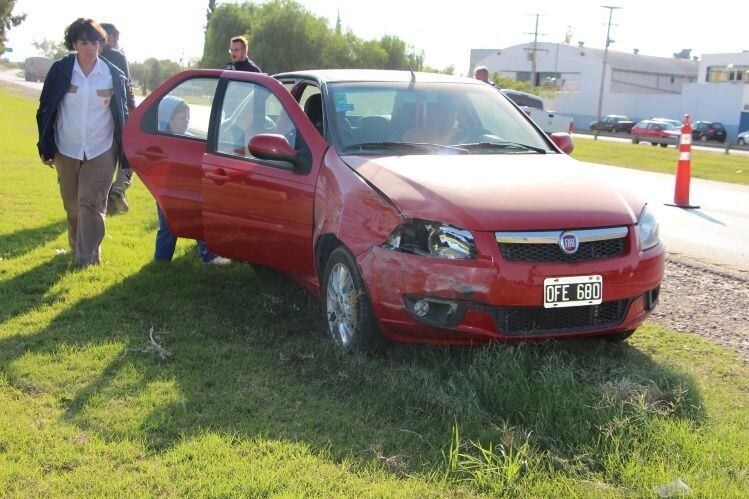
(377, 118)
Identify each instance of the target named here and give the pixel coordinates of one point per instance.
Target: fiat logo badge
(568, 242)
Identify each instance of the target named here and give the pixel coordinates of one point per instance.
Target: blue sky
(446, 31)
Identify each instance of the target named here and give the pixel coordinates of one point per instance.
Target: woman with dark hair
(82, 111)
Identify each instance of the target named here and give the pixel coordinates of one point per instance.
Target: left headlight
(426, 238)
(647, 229)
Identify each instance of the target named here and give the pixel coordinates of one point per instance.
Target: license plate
(573, 291)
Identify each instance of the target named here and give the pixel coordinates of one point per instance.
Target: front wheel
(348, 313)
(654, 144)
(664, 145)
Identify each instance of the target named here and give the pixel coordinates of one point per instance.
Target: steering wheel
(470, 135)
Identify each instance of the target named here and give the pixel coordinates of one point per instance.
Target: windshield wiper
(415, 146)
(502, 145)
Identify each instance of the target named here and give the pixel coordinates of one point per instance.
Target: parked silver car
(743, 138)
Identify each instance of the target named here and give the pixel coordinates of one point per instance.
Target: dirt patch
(705, 300)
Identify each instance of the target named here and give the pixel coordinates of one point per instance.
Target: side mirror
(274, 147)
(563, 141)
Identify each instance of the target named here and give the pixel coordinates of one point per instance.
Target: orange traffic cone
(684, 167)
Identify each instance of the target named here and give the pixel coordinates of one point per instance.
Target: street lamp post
(603, 69)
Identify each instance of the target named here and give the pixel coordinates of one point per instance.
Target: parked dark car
(614, 123)
(708, 130)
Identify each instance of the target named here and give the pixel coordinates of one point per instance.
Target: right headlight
(647, 229)
(426, 238)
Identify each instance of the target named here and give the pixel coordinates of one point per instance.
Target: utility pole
(605, 58)
(532, 52)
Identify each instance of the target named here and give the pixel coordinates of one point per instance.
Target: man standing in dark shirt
(117, 202)
(239, 60)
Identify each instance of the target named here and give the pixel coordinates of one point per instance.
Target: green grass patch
(708, 165)
(253, 400)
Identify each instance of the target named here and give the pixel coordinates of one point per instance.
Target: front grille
(592, 250)
(538, 321)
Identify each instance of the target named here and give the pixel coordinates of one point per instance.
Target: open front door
(165, 141)
(258, 210)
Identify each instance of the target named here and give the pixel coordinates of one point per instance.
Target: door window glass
(186, 109)
(248, 110)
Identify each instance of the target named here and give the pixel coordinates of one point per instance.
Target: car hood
(499, 192)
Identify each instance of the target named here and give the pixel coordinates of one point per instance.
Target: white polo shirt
(85, 125)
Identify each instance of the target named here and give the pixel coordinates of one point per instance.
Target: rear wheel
(654, 144)
(664, 145)
(348, 312)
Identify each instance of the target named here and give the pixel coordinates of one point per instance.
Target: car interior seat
(313, 110)
(373, 129)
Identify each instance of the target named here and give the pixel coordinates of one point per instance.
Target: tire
(664, 144)
(635, 140)
(741, 141)
(348, 313)
(615, 337)
(703, 138)
(654, 144)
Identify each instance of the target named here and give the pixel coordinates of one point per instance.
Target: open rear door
(165, 140)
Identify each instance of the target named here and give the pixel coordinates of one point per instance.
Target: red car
(656, 132)
(417, 207)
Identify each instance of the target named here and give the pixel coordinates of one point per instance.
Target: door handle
(152, 153)
(218, 176)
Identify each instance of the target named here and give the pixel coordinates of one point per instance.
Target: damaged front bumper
(427, 299)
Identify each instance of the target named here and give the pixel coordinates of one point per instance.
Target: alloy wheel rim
(341, 304)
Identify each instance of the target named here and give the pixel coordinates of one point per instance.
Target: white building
(637, 85)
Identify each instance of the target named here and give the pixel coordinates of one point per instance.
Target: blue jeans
(166, 242)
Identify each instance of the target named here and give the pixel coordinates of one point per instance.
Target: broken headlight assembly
(426, 238)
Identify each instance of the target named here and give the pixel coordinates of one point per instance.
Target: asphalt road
(716, 233)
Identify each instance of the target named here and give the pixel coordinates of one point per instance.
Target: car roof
(374, 75)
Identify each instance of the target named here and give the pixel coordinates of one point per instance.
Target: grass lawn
(253, 400)
(708, 165)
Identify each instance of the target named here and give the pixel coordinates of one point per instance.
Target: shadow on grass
(22, 241)
(21, 293)
(249, 358)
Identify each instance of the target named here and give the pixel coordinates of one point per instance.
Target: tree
(139, 75)
(286, 36)
(50, 48)
(209, 10)
(523, 86)
(228, 20)
(7, 21)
